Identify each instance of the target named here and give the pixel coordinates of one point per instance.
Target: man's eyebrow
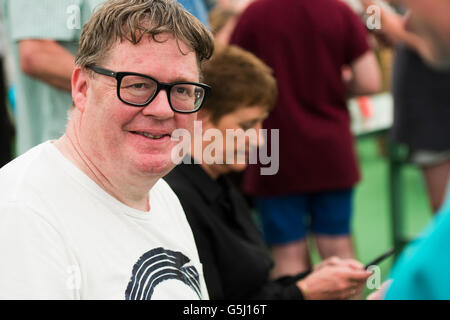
(176, 79)
(183, 79)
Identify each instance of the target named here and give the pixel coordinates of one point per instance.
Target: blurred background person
(420, 273)
(236, 262)
(307, 44)
(421, 103)
(43, 37)
(421, 119)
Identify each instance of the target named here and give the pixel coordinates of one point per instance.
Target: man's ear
(79, 88)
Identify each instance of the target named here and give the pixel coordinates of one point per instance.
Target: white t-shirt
(63, 237)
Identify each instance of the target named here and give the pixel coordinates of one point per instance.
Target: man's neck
(133, 194)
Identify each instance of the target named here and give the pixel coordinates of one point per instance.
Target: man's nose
(159, 108)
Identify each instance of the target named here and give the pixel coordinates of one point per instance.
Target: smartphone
(380, 258)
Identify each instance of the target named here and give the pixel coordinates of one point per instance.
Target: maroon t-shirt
(306, 43)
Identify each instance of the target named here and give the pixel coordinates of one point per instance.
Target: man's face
(112, 131)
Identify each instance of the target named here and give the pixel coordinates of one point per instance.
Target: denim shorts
(286, 219)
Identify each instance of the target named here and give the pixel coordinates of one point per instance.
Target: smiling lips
(151, 136)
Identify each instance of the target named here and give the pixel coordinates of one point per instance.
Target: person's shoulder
(252, 14)
(19, 174)
(162, 188)
(35, 178)
(165, 195)
(329, 5)
(180, 181)
(177, 180)
(260, 5)
(343, 9)
(20, 212)
(17, 212)
(166, 202)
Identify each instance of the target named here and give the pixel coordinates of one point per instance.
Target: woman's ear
(79, 88)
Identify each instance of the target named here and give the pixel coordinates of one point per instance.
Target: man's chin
(155, 165)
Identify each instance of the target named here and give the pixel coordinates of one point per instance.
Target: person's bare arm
(47, 61)
(365, 76)
(394, 30)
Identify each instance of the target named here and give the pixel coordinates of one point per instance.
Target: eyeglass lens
(139, 90)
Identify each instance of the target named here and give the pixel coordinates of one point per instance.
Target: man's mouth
(151, 136)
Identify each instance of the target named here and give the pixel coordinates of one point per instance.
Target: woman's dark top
(236, 261)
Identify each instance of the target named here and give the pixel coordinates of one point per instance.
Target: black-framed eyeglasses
(139, 90)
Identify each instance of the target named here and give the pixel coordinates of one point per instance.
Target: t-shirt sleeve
(43, 19)
(356, 38)
(34, 261)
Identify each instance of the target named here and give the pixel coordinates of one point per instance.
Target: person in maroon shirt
(308, 44)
